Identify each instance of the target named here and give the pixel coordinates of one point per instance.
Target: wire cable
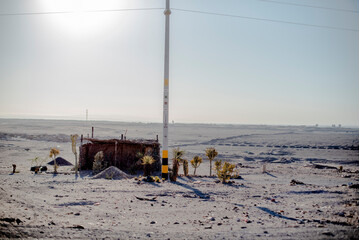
(86, 11)
(185, 10)
(267, 20)
(310, 6)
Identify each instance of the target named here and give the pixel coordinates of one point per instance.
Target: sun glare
(80, 17)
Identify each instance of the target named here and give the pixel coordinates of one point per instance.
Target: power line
(267, 20)
(186, 10)
(310, 6)
(86, 11)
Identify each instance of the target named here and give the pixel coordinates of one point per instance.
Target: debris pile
(112, 173)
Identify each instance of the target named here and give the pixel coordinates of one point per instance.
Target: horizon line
(72, 118)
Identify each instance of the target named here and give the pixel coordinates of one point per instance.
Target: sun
(81, 17)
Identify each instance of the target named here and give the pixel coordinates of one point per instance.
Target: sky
(233, 68)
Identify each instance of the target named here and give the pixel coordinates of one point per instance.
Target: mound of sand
(111, 173)
(60, 162)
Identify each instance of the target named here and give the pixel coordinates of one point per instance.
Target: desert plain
(309, 188)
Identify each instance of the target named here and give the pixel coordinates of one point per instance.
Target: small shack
(123, 154)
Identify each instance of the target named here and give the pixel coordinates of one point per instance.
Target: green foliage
(195, 162)
(226, 171)
(211, 153)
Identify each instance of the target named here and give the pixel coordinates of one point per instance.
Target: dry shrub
(98, 162)
(227, 171)
(147, 162)
(195, 162)
(211, 153)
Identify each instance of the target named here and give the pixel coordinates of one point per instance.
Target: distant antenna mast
(167, 13)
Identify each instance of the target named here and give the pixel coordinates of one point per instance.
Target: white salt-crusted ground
(259, 206)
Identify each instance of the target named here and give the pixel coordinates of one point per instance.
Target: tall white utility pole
(165, 174)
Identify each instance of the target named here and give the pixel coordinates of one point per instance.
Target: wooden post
(115, 153)
(121, 136)
(92, 132)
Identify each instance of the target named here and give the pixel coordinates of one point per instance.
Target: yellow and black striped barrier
(165, 164)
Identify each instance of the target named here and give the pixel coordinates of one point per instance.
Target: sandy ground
(258, 206)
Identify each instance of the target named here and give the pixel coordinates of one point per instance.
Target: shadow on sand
(195, 190)
(269, 174)
(277, 214)
(83, 173)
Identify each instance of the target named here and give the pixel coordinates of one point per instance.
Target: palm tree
(176, 160)
(53, 153)
(147, 162)
(196, 161)
(211, 153)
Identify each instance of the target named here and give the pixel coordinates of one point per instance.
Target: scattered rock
(319, 166)
(208, 227)
(341, 214)
(77, 227)
(147, 199)
(153, 222)
(296, 182)
(328, 234)
(354, 186)
(11, 220)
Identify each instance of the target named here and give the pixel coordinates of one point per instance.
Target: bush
(176, 161)
(211, 153)
(226, 171)
(97, 165)
(195, 162)
(147, 162)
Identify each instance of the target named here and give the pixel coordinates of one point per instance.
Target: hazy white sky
(222, 69)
